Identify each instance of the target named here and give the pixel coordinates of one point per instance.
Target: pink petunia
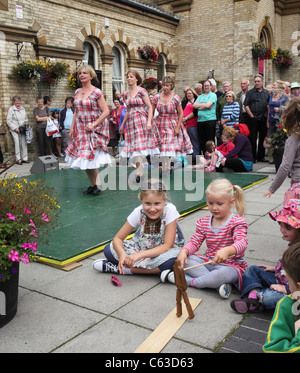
(26, 245)
(45, 217)
(14, 256)
(26, 210)
(33, 232)
(32, 223)
(33, 246)
(11, 216)
(25, 258)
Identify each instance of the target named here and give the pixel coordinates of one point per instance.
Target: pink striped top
(232, 233)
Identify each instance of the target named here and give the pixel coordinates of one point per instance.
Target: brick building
(192, 37)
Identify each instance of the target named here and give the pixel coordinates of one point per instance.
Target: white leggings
(209, 276)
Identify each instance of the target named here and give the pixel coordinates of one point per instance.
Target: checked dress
(88, 150)
(138, 140)
(166, 121)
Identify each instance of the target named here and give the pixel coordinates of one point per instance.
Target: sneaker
(104, 265)
(225, 290)
(164, 275)
(243, 306)
(61, 155)
(171, 277)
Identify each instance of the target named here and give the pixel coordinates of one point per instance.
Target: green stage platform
(88, 222)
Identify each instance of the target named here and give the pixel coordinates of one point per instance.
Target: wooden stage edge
(74, 262)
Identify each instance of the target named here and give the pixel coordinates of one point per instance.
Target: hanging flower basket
(148, 53)
(49, 73)
(151, 83)
(283, 58)
(72, 80)
(260, 51)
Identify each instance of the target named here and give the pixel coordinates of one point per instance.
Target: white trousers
(20, 146)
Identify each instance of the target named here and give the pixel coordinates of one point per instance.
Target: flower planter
(144, 55)
(9, 291)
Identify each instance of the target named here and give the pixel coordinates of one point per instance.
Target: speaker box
(44, 164)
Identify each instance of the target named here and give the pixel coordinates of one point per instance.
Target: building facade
(193, 38)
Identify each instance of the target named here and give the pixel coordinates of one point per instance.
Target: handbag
(51, 128)
(22, 130)
(29, 135)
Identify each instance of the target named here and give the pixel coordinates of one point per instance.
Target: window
(117, 70)
(161, 71)
(90, 55)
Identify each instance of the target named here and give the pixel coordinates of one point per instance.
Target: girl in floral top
(156, 242)
(263, 286)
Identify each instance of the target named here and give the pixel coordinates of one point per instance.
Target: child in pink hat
(263, 286)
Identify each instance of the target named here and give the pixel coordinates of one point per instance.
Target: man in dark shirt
(256, 103)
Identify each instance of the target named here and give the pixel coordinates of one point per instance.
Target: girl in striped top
(226, 240)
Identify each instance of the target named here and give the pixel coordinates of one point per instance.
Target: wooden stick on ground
(203, 264)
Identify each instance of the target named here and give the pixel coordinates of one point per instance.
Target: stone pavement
(81, 311)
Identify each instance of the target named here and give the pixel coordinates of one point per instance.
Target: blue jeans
(109, 256)
(193, 134)
(260, 280)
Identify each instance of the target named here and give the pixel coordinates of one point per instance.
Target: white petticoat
(142, 153)
(101, 158)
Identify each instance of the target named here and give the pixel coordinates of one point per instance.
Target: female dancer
(89, 131)
(174, 140)
(141, 137)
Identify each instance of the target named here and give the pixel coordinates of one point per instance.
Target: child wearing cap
(284, 330)
(263, 286)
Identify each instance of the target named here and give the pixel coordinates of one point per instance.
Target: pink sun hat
(290, 214)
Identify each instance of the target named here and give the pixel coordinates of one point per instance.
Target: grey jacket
(16, 118)
(290, 163)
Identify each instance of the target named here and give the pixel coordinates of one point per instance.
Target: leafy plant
(276, 141)
(49, 73)
(283, 58)
(151, 83)
(28, 210)
(148, 53)
(261, 51)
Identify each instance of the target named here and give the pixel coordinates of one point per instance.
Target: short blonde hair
(231, 93)
(224, 187)
(168, 79)
(90, 70)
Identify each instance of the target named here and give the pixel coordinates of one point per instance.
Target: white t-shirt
(172, 214)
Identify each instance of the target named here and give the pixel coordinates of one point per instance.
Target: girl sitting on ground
(263, 286)
(157, 241)
(226, 240)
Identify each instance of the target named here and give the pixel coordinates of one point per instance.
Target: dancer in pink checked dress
(174, 139)
(142, 137)
(89, 132)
